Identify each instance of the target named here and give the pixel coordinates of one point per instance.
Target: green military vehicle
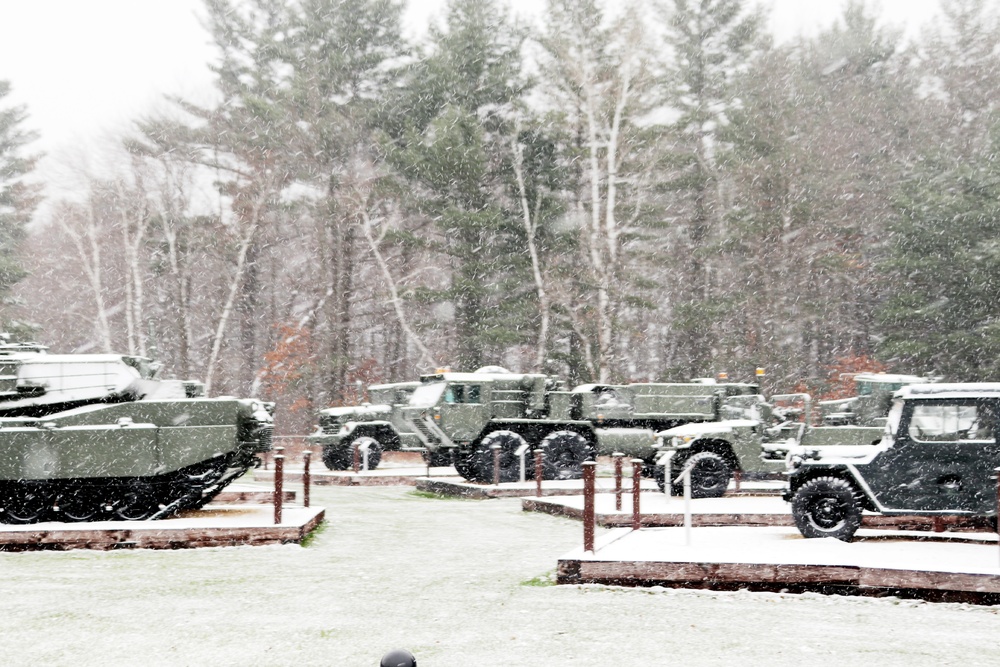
(757, 441)
(98, 436)
(937, 457)
(463, 415)
(871, 404)
(375, 426)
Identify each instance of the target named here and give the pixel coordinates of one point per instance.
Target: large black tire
(439, 459)
(336, 458)
(481, 461)
(564, 454)
(375, 449)
(710, 475)
(827, 507)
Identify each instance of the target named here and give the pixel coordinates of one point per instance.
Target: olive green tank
(86, 437)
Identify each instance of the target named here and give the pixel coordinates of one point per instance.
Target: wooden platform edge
(778, 578)
(158, 538)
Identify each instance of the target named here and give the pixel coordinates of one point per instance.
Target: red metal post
(496, 464)
(356, 457)
(997, 471)
(279, 483)
(589, 469)
(305, 477)
(636, 488)
(539, 471)
(617, 456)
(737, 478)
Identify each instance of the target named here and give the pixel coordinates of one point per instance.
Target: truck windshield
(427, 395)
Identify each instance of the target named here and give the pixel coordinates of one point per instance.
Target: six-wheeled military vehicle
(463, 415)
(936, 457)
(98, 436)
(376, 426)
(871, 404)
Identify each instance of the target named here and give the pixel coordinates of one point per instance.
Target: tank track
(117, 499)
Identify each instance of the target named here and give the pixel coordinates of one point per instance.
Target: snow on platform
(456, 486)
(381, 476)
(211, 526)
(745, 509)
(960, 567)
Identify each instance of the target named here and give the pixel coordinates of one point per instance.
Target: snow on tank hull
(132, 461)
(90, 437)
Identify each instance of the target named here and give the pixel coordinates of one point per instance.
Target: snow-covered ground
(458, 582)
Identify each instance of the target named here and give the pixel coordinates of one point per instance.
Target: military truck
(871, 404)
(463, 415)
(377, 425)
(937, 457)
(99, 436)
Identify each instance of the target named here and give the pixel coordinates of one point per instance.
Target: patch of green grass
(541, 581)
(314, 533)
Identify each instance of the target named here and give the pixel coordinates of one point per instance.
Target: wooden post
(737, 478)
(355, 457)
(617, 456)
(496, 464)
(306, 455)
(279, 483)
(589, 468)
(997, 471)
(636, 489)
(539, 471)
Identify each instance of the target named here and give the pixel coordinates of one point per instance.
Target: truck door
(942, 458)
(463, 413)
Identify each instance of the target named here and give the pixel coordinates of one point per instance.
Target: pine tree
(943, 274)
(18, 198)
(451, 139)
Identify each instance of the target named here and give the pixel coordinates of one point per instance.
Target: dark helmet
(398, 658)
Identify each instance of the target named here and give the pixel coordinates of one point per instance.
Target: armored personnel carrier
(97, 436)
(937, 457)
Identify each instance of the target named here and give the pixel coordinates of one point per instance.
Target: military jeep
(936, 457)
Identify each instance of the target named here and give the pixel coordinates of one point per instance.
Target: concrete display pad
(381, 476)
(659, 510)
(950, 567)
(456, 486)
(236, 494)
(211, 526)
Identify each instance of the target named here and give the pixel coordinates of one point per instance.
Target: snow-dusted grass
(458, 582)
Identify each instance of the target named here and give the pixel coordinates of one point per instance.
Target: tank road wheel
(138, 501)
(827, 507)
(481, 461)
(28, 503)
(710, 475)
(77, 502)
(565, 453)
(374, 452)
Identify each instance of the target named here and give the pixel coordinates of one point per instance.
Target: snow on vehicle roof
(890, 377)
(951, 390)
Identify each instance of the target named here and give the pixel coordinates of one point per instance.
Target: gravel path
(457, 582)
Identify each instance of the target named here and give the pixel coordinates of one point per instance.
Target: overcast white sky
(86, 68)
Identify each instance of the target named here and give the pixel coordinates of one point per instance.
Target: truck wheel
(565, 453)
(827, 507)
(481, 461)
(710, 475)
(337, 458)
(437, 459)
(374, 452)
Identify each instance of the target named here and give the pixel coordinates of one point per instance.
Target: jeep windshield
(427, 395)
